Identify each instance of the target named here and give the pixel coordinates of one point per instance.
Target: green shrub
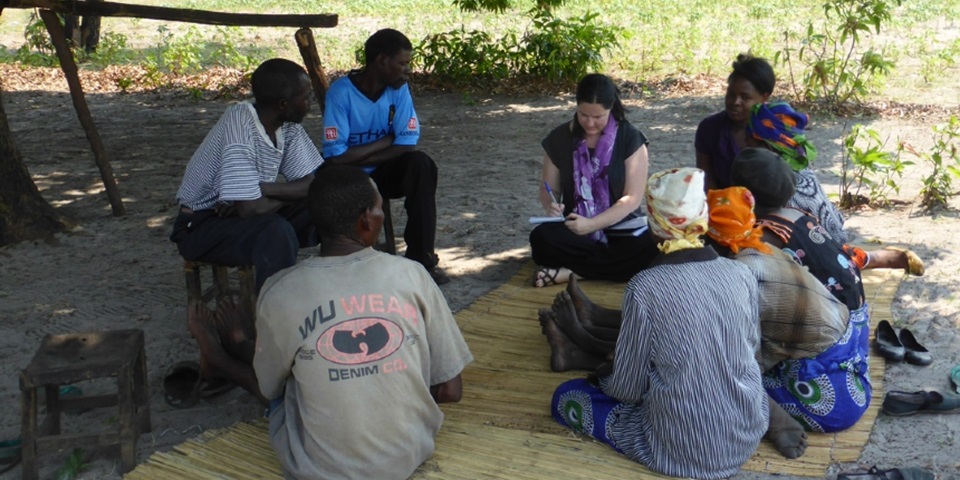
(944, 157)
(866, 165)
(38, 49)
(111, 50)
(834, 70)
(466, 57)
(562, 51)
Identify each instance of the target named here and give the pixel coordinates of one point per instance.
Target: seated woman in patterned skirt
(683, 395)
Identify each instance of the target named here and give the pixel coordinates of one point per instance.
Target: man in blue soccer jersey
(369, 121)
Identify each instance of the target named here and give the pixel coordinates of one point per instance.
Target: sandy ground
(113, 273)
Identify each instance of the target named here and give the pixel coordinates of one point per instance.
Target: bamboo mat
(502, 428)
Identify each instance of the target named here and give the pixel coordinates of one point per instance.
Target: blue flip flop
(9, 455)
(955, 378)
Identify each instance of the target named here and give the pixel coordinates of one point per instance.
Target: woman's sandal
(914, 264)
(893, 474)
(545, 277)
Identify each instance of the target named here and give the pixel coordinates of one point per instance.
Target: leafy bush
(466, 57)
(945, 159)
(554, 50)
(866, 164)
(834, 71)
(38, 49)
(111, 50)
(562, 51)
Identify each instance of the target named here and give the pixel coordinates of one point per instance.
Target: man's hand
(226, 210)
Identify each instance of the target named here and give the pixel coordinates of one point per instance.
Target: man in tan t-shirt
(355, 348)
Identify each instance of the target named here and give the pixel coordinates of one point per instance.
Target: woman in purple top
(721, 136)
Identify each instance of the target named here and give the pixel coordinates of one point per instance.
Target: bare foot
(787, 435)
(564, 355)
(546, 276)
(590, 313)
(237, 331)
(565, 316)
(234, 323)
(215, 361)
(542, 315)
(200, 322)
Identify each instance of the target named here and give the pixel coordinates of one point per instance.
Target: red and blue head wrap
(781, 128)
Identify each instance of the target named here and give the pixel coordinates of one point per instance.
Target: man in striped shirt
(369, 122)
(233, 209)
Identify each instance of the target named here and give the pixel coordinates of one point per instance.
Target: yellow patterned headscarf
(678, 208)
(732, 222)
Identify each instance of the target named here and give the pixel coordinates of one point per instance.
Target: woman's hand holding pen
(555, 209)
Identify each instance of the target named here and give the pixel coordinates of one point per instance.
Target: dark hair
(275, 80)
(386, 41)
(599, 88)
(755, 70)
(338, 195)
(766, 175)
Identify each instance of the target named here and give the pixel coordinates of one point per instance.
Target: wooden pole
(113, 9)
(308, 50)
(69, 68)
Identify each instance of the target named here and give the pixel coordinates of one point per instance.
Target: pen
(549, 191)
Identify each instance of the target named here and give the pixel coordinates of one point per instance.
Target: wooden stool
(70, 358)
(391, 242)
(220, 287)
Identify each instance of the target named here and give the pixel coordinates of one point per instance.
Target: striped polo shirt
(238, 154)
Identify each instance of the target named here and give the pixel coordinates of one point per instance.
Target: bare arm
(551, 176)
(290, 191)
(703, 163)
(634, 186)
(274, 196)
(370, 154)
(448, 392)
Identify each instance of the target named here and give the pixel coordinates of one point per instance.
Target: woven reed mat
(502, 428)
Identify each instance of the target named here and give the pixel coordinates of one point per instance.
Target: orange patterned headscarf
(732, 222)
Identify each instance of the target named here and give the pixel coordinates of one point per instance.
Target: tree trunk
(24, 214)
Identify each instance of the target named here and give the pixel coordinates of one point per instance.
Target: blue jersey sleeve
(336, 120)
(406, 125)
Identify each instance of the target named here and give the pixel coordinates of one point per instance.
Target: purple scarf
(590, 181)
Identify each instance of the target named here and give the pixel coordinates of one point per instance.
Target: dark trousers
(555, 246)
(413, 175)
(268, 242)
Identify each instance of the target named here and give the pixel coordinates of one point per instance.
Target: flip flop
(955, 378)
(181, 384)
(9, 455)
(215, 387)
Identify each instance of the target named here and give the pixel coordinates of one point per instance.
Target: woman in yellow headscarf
(683, 395)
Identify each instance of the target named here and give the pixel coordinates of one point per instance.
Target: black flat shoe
(899, 404)
(888, 344)
(893, 474)
(914, 352)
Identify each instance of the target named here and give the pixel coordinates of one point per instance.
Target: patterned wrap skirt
(584, 408)
(829, 392)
